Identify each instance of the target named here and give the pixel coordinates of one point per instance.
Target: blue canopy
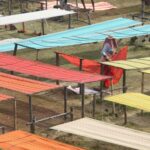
(87, 34)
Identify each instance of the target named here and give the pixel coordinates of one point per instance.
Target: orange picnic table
(21, 140)
(25, 86)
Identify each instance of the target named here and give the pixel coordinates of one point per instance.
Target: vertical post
(46, 4)
(124, 91)
(125, 114)
(94, 104)
(37, 54)
(69, 21)
(42, 21)
(77, 9)
(32, 126)
(15, 49)
(15, 115)
(101, 83)
(65, 99)
(93, 5)
(142, 88)
(21, 9)
(30, 108)
(142, 83)
(71, 113)
(80, 69)
(124, 82)
(88, 15)
(81, 64)
(42, 26)
(23, 27)
(111, 91)
(9, 7)
(82, 100)
(57, 59)
(142, 10)
(57, 64)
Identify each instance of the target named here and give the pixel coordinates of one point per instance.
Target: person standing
(109, 49)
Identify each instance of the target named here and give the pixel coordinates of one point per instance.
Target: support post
(65, 99)
(15, 115)
(46, 4)
(142, 10)
(69, 21)
(30, 109)
(37, 54)
(82, 100)
(81, 64)
(15, 49)
(23, 27)
(57, 64)
(142, 83)
(32, 126)
(10, 7)
(142, 89)
(57, 59)
(101, 83)
(77, 9)
(80, 69)
(94, 104)
(42, 6)
(71, 113)
(124, 82)
(111, 91)
(42, 26)
(125, 114)
(124, 91)
(93, 5)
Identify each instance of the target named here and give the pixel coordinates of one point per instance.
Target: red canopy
(93, 66)
(48, 71)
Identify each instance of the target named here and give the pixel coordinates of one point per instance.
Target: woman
(109, 48)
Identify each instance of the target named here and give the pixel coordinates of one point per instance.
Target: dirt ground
(51, 103)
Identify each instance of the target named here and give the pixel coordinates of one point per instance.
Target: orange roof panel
(23, 85)
(20, 140)
(5, 97)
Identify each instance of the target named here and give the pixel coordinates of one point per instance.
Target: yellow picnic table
(136, 100)
(129, 64)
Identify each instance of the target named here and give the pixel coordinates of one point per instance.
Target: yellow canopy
(146, 71)
(130, 64)
(136, 100)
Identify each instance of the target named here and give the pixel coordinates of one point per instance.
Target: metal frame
(34, 121)
(31, 116)
(143, 13)
(124, 87)
(82, 87)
